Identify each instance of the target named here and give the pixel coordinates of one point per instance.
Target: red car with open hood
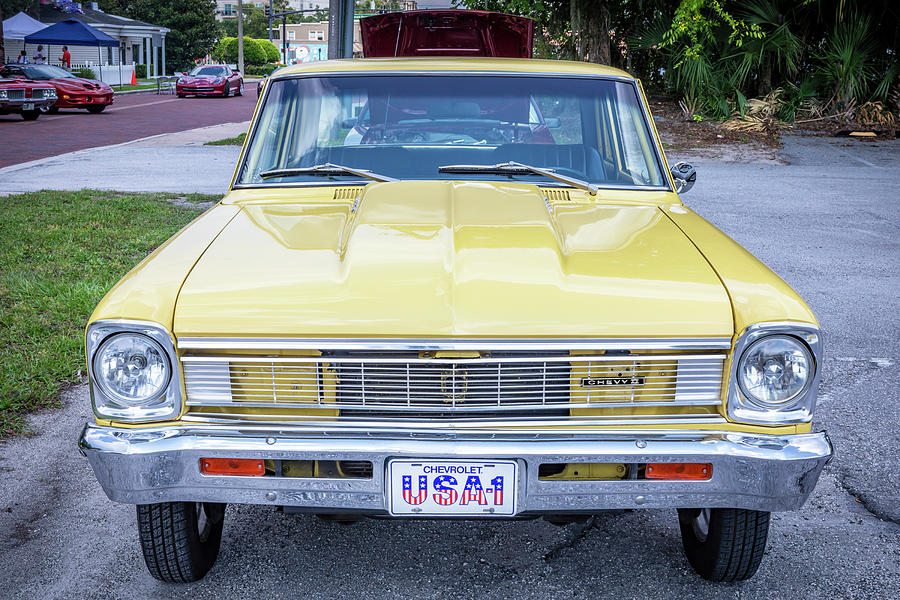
(71, 91)
(210, 80)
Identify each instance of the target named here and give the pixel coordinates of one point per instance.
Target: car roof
(454, 63)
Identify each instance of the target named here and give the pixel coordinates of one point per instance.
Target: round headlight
(774, 370)
(131, 368)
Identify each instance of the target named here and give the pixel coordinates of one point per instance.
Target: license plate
(452, 487)
(28, 106)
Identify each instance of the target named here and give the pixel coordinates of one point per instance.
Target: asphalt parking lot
(827, 222)
(130, 117)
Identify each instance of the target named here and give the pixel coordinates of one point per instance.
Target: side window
(623, 139)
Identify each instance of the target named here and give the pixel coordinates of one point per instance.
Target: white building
(228, 9)
(308, 5)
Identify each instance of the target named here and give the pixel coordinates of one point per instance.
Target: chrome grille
(508, 385)
(15, 94)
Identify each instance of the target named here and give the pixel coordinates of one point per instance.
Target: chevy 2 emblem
(609, 381)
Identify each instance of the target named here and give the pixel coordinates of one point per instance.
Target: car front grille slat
(15, 94)
(522, 386)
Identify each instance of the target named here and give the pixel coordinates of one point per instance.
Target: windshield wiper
(326, 169)
(512, 168)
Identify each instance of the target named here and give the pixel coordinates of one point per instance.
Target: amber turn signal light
(248, 467)
(695, 471)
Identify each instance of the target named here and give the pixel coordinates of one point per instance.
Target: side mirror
(685, 176)
(551, 122)
(235, 71)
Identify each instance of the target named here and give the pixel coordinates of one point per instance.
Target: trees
(256, 23)
(192, 24)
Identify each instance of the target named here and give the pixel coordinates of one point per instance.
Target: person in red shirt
(66, 57)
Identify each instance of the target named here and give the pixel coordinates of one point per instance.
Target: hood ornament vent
(555, 195)
(347, 193)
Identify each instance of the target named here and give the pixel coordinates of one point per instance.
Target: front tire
(226, 91)
(180, 540)
(724, 544)
(96, 110)
(31, 115)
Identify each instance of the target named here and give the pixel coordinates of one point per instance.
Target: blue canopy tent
(73, 32)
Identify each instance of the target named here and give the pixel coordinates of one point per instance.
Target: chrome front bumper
(760, 472)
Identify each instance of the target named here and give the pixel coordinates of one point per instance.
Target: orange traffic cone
(133, 79)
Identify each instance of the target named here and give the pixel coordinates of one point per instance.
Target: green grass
(59, 254)
(140, 86)
(232, 141)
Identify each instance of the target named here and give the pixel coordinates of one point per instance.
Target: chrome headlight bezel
(160, 407)
(799, 408)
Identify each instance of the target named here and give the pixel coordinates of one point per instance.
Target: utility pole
(284, 44)
(269, 14)
(241, 37)
(340, 28)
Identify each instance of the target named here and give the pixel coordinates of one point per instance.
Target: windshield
(41, 72)
(407, 126)
(214, 71)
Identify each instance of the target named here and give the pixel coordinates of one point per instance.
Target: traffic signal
(268, 9)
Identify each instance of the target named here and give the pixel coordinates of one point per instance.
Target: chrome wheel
(204, 525)
(700, 524)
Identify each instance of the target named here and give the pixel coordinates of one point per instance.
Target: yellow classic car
(454, 288)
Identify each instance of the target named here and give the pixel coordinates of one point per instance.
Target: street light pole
(241, 37)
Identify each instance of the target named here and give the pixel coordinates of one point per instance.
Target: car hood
(420, 259)
(199, 78)
(79, 83)
(446, 32)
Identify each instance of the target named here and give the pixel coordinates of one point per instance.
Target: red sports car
(210, 80)
(71, 91)
(28, 98)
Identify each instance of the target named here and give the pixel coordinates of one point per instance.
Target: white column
(164, 56)
(153, 58)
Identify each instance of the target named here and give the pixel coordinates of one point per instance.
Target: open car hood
(443, 258)
(447, 33)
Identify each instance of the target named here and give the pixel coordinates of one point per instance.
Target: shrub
(261, 71)
(272, 53)
(220, 51)
(85, 73)
(226, 50)
(140, 71)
